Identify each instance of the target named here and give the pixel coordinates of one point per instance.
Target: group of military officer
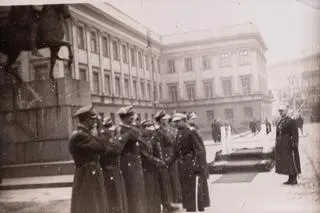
(137, 166)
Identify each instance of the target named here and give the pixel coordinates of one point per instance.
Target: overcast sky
(286, 25)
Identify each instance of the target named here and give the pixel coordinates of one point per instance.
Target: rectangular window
(95, 82)
(191, 91)
(107, 84)
(135, 89)
(126, 87)
(115, 48)
(143, 95)
(206, 62)
(105, 46)
(140, 59)
(160, 91)
(228, 113)
(246, 85)
(41, 71)
(147, 63)
(94, 42)
(244, 57)
(173, 93)
(210, 115)
(188, 64)
(154, 92)
(158, 64)
(124, 53)
(81, 37)
(171, 66)
(133, 57)
(149, 91)
(224, 60)
(83, 74)
(208, 89)
(248, 112)
(227, 87)
(117, 87)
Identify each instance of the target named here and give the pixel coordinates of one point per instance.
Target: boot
(169, 208)
(288, 181)
(294, 180)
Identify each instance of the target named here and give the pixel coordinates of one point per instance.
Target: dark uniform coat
(131, 168)
(287, 159)
(189, 151)
(115, 189)
(165, 177)
(150, 166)
(88, 190)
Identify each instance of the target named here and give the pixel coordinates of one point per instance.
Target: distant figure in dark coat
(253, 127)
(268, 126)
(287, 158)
(299, 121)
(88, 189)
(216, 131)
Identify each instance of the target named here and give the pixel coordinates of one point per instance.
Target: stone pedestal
(34, 138)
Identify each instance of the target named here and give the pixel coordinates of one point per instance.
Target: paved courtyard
(265, 193)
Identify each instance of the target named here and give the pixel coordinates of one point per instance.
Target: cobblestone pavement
(264, 194)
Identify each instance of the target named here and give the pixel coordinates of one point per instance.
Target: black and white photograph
(158, 106)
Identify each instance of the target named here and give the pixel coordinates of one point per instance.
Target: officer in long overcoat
(110, 162)
(204, 197)
(151, 165)
(130, 162)
(287, 159)
(189, 151)
(167, 149)
(88, 189)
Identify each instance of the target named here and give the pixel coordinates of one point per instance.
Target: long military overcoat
(131, 168)
(287, 159)
(88, 190)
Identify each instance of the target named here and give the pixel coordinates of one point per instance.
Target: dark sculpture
(28, 30)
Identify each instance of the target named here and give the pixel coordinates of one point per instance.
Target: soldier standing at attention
(130, 162)
(88, 190)
(287, 160)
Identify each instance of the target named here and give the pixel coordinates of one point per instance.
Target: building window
(115, 48)
(210, 115)
(41, 71)
(83, 74)
(133, 57)
(140, 59)
(117, 87)
(94, 42)
(105, 46)
(126, 87)
(246, 85)
(248, 112)
(173, 93)
(107, 84)
(208, 89)
(147, 63)
(124, 53)
(158, 64)
(244, 57)
(154, 92)
(135, 89)
(228, 114)
(224, 60)
(227, 87)
(95, 82)
(188, 64)
(143, 95)
(146, 116)
(191, 91)
(171, 66)
(81, 37)
(161, 92)
(149, 91)
(206, 62)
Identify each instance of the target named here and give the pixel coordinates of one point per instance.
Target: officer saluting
(130, 162)
(189, 151)
(88, 191)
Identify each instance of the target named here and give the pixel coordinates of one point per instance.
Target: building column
(121, 69)
(74, 23)
(113, 86)
(181, 85)
(130, 71)
(101, 86)
(87, 33)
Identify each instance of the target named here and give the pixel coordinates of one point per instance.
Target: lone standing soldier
(287, 159)
(189, 151)
(88, 190)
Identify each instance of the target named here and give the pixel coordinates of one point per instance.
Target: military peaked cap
(89, 110)
(192, 116)
(160, 114)
(126, 110)
(179, 116)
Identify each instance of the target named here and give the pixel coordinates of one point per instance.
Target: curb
(36, 186)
